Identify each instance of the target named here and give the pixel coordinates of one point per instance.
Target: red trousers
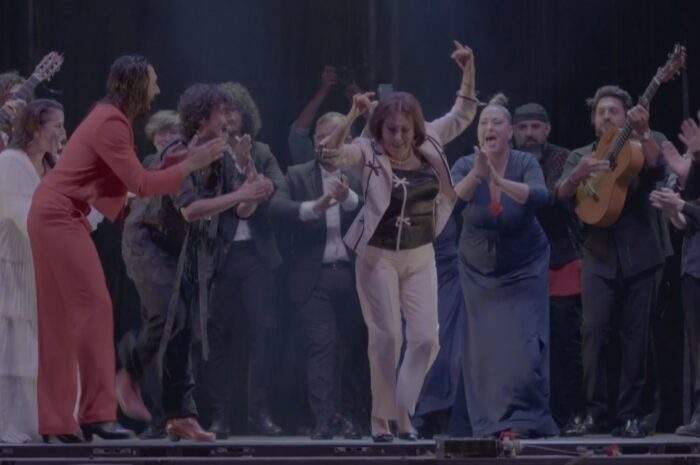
(74, 315)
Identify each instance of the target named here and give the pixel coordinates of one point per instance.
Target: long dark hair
(30, 120)
(127, 85)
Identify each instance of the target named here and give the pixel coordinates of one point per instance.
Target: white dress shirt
(335, 247)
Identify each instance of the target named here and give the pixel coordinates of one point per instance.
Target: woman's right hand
(481, 164)
(464, 57)
(203, 155)
(361, 103)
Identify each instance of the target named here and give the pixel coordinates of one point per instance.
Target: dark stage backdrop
(556, 52)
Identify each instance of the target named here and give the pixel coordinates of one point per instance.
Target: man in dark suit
(319, 205)
(622, 268)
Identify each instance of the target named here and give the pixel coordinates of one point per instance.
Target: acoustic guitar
(47, 67)
(601, 197)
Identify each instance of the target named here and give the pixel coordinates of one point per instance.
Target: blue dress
(503, 266)
(442, 383)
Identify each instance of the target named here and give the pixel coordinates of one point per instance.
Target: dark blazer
(221, 228)
(308, 239)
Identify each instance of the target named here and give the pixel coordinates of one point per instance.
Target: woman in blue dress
(441, 407)
(503, 264)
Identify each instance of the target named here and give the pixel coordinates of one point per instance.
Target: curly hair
(610, 91)
(196, 105)
(163, 120)
(7, 81)
(243, 102)
(127, 85)
(31, 119)
(402, 102)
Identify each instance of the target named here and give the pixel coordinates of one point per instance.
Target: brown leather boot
(187, 428)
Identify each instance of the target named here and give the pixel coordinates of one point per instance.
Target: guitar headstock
(674, 64)
(48, 66)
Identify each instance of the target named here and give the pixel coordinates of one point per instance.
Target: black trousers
(335, 342)
(691, 309)
(565, 358)
(153, 275)
(621, 305)
(244, 289)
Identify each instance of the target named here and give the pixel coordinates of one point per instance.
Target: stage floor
(657, 449)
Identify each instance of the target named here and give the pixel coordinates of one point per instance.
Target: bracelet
(471, 99)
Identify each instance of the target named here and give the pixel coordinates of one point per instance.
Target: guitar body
(600, 199)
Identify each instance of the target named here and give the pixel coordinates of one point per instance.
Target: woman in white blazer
(409, 197)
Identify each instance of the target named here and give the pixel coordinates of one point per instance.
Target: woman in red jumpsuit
(97, 168)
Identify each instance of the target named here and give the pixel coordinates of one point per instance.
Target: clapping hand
(241, 149)
(481, 166)
(690, 136)
(339, 189)
(666, 200)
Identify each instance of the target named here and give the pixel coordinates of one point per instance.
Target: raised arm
(463, 111)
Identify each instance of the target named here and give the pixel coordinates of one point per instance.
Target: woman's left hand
(462, 56)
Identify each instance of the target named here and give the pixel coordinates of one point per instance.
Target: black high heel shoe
(63, 438)
(105, 430)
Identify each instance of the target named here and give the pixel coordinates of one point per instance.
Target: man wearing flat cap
(531, 130)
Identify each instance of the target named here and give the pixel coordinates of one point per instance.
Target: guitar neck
(624, 134)
(25, 93)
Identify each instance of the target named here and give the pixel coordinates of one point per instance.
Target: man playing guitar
(622, 267)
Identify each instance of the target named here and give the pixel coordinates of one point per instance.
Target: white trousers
(389, 282)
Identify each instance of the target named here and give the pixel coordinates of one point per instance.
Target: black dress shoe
(105, 430)
(63, 438)
(579, 427)
(220, 429)
(632, 428)
(383, 438)
(691, 429)
(322, 431)
(152, 432)
(410, 436)
(262, 424)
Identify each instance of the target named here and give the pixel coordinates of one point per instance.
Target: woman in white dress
(37, 134)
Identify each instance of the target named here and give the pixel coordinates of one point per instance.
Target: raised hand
(362, 103)
(202, 155)
(679, 165)
(690, 135)
(462, 55)
(329, 78)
